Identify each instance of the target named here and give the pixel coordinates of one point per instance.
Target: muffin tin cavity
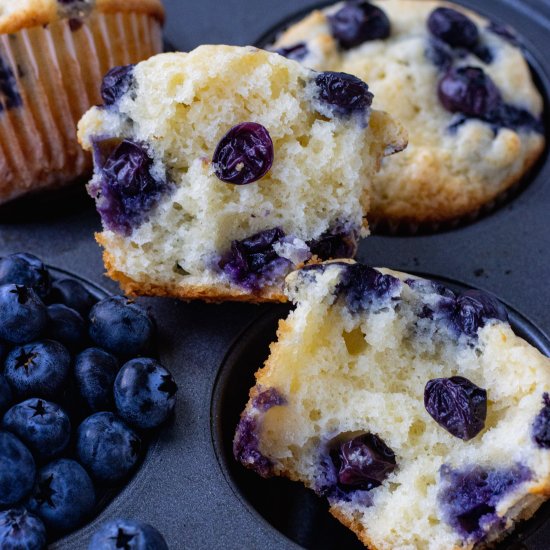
(295, 512)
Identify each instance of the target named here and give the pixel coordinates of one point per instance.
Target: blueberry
(145, 393)
(440, 54)
(107, 447)
(20, 530)
(365, 287)
(358, 22)
(342, 94)
(541, 425)
(453, 27)
(267, 399)
(25, 270)
(65, 325)
(253, 259)
(334, 245)
(515, 118)
(470, 497)
(506, 32)
(10, 96)
(246, 447)
(473, 309)
(129, 535)
(116, 83)
(95, 373)
(469, 90)
(39, 369)
(73, 294)
(363, 463)
(297, 52)
(17, 470)
(244, 154)
(122, 327)
(127, 190)
(22, 314)
(6, 395)
(43, 426)
(63, 495)
(457, 405)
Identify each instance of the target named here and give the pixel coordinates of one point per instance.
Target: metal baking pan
(188, 486)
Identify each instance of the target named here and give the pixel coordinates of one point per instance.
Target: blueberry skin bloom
(128, 534)
(20, 530)
(65, 325)
(25, 270)
(145, 393)
(72, 294)
(244, 155)
(95, 372)
(63, 495)
(17, 470)
(453, 27)
(43, 426)
(122, 327)
(107, 447)
(40, 369)
(469, 90)
(22, 314)
(6, 395)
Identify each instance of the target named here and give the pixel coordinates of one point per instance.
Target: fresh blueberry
(469, 90)
(252, 260)
(17, 470)
(43, 426)
(95, 373)
(145, 393)
(129, 535)
(6, 395)
(20, 530)
(73, 294)
(122, 327)
(22, 314)
(244, 154)
(65, 325)
(10, 96)
(457, 405)
(473, 309)
(453, 27)
(128, 187)
(470, 497)
(39, 369)
(334, 245)
(365, 287)
(25, 270)
(357, 22)
(541, 425)
(363, 463)
(107, 447)
(63, 495)
(342, 94)
(297, 52)
(116, 83)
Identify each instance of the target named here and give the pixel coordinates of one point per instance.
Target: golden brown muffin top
(20, 14)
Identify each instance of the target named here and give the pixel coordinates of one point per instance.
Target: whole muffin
(53, 56)
(457, 82)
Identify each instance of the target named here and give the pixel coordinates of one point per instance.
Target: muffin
(219, 171)
(457, 82)
(418, 413)
(53, 56)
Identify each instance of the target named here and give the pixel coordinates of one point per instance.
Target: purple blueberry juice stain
(457, 405)
(246, 447)
(244, 155)
(253, 262)
(358, 22)
(10, 97)
(126, 190)
(541, 425)
(470, 497)
(366, 288)
(268, 398)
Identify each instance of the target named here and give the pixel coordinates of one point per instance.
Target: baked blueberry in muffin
(417, 412)
(457, 82)
(219, 171)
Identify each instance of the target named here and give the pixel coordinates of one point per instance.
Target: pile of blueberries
(79, 395)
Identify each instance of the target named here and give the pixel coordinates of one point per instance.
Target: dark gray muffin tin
(188, 485)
